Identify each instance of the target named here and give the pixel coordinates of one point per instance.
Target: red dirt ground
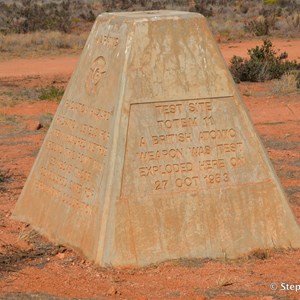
(24, 271)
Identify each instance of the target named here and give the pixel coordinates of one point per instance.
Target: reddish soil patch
(39, 66)
(32, 267)
(65, 65)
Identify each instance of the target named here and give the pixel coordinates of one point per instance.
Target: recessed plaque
(152, 155)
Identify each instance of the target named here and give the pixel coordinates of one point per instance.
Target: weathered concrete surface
(152, 155)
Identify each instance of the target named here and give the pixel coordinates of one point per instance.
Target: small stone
(112, 291)
(44, 121)
(60, 255)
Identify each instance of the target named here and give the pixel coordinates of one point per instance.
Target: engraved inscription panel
(76, 147)
(187, 145)
(71, 167)
(64, 195)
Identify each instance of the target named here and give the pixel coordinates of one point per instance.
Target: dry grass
(28, 234)
(223, 281)
(13, 258)
(230, 29)
(18, 43)
(2, 221)
(294, 21)
(286, 84)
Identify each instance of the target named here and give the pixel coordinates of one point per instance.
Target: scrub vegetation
(64, 24)
(265, 63)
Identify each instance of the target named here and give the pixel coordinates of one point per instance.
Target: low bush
(29, 16)
(51, 93)
(5, 176)
(260, 26)
(293, 21)
(203, 8)
(289, 5)
(264, 64)
(132, 5)
(271, 2)
(25, 16)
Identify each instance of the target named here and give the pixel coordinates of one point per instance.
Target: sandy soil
(33, 268)
(41, 66)
(64, 65)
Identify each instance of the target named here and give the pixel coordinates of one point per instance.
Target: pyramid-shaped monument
(152, 155)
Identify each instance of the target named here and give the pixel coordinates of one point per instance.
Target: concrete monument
(151, 155)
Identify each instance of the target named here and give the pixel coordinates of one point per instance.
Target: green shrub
(51, 93)
(271, 2)
(290, 5)
(264, 64)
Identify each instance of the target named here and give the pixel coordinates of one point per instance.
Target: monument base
(151, 155)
